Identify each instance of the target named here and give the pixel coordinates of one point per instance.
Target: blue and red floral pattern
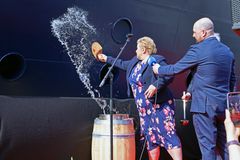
(156, 120)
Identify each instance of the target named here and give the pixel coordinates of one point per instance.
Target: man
(213, 77)
(153, 99)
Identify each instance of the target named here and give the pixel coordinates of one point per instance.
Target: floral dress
(156, 120)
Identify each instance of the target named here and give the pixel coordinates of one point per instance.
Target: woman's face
(140, 52)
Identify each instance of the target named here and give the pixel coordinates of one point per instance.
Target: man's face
(198, 34)
(140, 52)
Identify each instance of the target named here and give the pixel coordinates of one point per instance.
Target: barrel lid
(115, 116)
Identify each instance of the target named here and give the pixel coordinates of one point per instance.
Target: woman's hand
(102, 57)
(150, 91)
(231, 131)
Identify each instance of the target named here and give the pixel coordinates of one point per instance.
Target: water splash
(75, 33)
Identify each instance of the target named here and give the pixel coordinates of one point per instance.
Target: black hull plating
(25, 28)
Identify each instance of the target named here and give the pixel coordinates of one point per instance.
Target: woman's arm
(119, 63)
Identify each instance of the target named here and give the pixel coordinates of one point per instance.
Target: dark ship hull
(34, 63)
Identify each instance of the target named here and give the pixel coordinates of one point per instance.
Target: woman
(153, 99)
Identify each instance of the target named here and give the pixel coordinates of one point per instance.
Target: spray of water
(75, 33)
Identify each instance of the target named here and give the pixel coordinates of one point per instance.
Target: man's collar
(211, 36)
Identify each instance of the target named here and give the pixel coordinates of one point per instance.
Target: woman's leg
(154, 154)
(167, 128)
(176, 153)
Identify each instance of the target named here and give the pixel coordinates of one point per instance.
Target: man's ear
(204, 33)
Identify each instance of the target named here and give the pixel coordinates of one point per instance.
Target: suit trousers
(211, 134)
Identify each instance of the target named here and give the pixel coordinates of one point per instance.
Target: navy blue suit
(213, 64)
(148, 76)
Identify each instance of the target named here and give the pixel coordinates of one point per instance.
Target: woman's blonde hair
(148, 44)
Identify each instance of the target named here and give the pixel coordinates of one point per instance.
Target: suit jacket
(148, 77)
(214, 77)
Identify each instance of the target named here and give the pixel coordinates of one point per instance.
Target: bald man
(213, 77)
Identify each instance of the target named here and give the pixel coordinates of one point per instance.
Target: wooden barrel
(123, 138)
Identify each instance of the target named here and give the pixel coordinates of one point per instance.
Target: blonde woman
(153, 99)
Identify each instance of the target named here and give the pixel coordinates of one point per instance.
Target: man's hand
(155, 68)
(102, 57)
(186, 96)
(150, 91)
